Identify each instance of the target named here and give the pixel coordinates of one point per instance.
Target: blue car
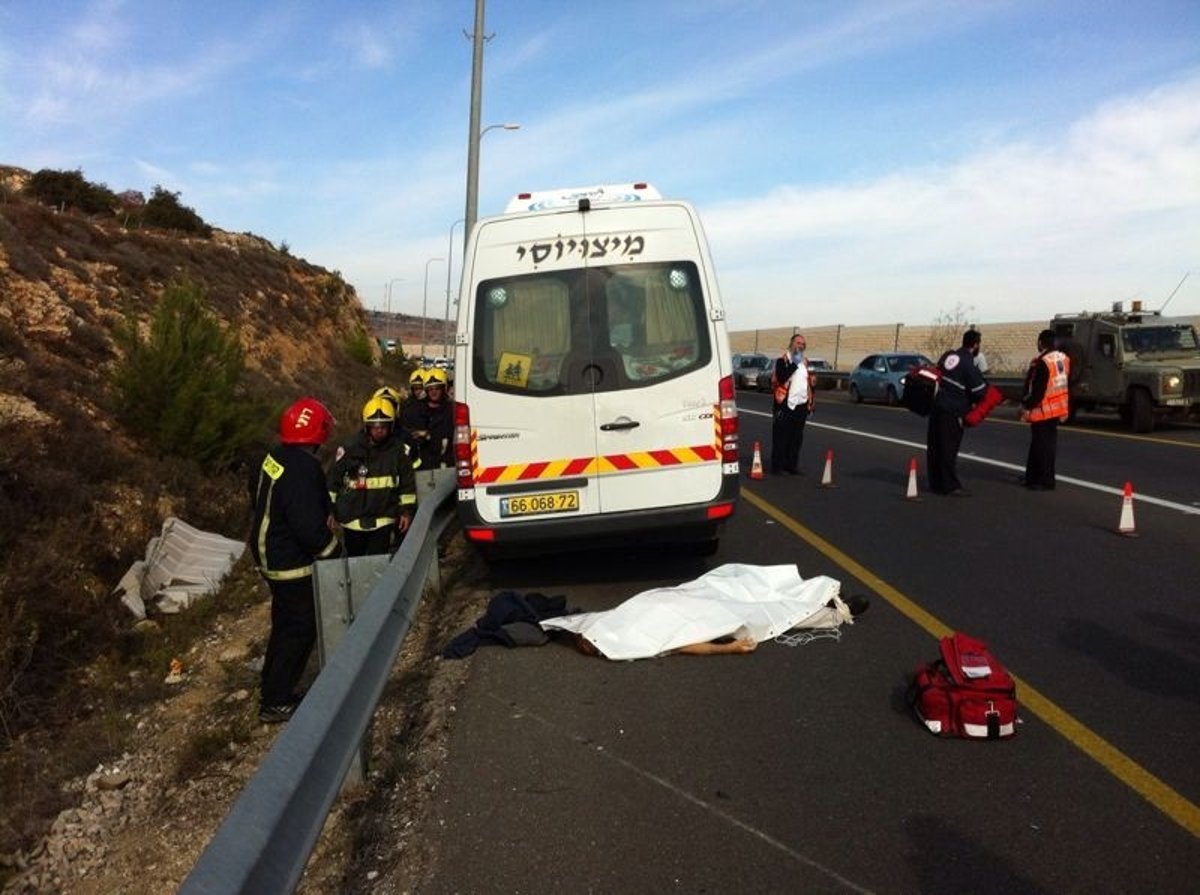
(879, 377)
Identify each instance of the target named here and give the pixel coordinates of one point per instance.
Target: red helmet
(307, 421)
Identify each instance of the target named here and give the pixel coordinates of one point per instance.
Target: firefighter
(1042, 406)
(416, 385)
(371, 483)
(292, 529)
(395, 395)
(399, 399)
(437, 422)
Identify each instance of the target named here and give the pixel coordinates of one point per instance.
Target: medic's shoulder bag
(920, 388)
(965, 692)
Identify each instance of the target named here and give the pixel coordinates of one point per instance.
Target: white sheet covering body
(732, 600)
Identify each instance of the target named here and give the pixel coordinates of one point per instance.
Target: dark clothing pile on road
(511, 619)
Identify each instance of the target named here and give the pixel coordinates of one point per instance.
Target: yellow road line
(1125, 769)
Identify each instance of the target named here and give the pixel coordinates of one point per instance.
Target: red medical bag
(966, 692)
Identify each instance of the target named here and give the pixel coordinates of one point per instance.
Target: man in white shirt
(794, 393)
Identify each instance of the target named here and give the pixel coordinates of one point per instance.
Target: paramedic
(794, 392)
(961, 386)
(1043, 405)
(371, 483)
(291, 529)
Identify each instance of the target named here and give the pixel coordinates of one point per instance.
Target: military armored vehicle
(1144, 366)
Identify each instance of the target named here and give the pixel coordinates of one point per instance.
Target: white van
(594, 395)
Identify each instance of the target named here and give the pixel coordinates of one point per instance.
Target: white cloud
(366, 44)
(1112, 207)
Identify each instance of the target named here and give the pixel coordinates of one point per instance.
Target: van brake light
(463, 467)
(729, 420)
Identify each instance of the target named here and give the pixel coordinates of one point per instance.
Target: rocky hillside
(80, 495)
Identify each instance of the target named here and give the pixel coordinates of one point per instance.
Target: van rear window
(589, 329)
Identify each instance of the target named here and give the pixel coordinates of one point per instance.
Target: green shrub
(179, 386)
(163, 209)
(359, 345)
(69, 189)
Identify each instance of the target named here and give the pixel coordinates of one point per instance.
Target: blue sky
(854, 162)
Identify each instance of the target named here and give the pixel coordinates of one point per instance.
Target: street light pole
(473, 177)
(425, 305)
(473, 134)
(449, 265)
(388, 294)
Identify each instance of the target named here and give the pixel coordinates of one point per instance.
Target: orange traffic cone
(756, 464)
(911, 493)
(827, 475)
(1125, 526)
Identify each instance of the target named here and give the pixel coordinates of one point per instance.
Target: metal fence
(264, 842)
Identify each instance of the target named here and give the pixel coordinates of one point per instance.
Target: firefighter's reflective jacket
(291, 514)
(372, 484)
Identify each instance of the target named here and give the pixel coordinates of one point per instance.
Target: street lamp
(387, 291)
(449, 265)
(473, 173)
(425, 305)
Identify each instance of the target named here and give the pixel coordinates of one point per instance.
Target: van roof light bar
(572, 197)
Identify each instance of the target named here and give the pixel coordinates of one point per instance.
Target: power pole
(472, 210)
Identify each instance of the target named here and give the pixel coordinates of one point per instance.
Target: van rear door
(658, 437)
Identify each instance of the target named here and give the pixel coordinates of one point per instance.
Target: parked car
(880, 377)
(748, 367)
(816, 366)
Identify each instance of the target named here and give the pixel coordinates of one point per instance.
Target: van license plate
(535, 504)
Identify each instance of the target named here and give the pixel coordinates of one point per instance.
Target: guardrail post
(340, 587)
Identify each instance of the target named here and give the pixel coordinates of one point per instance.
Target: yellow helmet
(389, 394)
(417, 378)
(379, 410)
(436, 376)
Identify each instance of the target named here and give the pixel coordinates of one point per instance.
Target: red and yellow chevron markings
(607, 464)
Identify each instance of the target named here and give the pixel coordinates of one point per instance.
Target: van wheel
(1141, 411)
(855, 395)
(891, 397)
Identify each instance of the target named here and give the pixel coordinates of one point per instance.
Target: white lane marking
(1187, 509)
(600, 750)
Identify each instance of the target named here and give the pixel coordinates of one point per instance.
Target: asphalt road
(800, 768)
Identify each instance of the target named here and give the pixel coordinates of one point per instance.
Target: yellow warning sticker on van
(514, 369)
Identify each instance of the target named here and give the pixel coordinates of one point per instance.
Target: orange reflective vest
(779, 390)
(1054, 402)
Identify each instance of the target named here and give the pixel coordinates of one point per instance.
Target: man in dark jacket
(291, 530)
(961, 386)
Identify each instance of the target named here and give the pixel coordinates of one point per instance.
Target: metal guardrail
(265, 841)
